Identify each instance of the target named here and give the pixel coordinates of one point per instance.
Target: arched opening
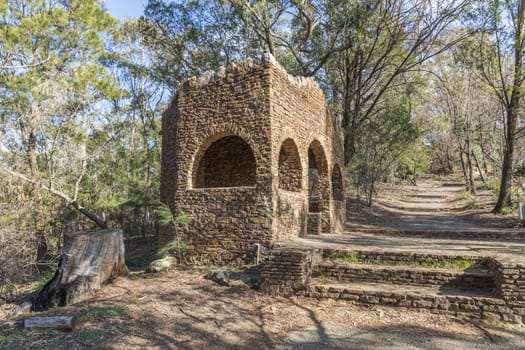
(317, 178)
(337, 184)
(290, 170)
(227, 162)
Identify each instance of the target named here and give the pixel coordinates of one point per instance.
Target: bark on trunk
(89, 259)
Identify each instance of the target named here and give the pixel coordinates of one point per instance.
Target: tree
(501, 50)
(190, 38)
(362, 51)
(50, 89)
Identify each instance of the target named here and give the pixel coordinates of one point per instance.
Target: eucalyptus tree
(361, 50)
(501, 64)
(191, 37)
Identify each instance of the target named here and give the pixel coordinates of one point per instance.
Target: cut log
(11, 324)
(64, 323)
(89, 260)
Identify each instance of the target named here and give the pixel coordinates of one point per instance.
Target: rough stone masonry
(251, 155)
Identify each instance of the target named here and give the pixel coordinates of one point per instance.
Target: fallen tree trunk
(63, 323)
(89, 259)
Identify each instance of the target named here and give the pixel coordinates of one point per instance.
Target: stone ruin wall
(299, 112)
(261, 105)
(225, 222)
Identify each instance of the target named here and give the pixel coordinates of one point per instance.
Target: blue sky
(123, 9)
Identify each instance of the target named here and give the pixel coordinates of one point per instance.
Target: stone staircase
(490, 290)
(478, 280)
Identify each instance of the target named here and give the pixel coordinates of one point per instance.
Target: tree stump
(89, 259)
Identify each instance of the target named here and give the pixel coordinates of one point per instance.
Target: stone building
(251, 155)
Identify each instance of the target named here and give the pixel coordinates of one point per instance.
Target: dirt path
(431, 206)
(413, 218)
(182, 310)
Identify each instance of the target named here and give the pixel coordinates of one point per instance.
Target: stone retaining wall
(510, 281)
(290, 272)
(473, 279)
(287, 271)
(481, 308)
(398, 258)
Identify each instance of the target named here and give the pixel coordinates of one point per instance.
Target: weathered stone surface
(162, 265)
(226, 277)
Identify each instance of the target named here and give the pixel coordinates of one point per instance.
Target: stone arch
(318, 184)
(338, 193)
(224, 160)
(290, 169)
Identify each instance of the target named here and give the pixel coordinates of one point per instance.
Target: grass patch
(134, 261)
(90, 333)
(134, 277)
(506, 211)
(6, 335)
(455, 264)
(346, 256)
(463, 195)
(98, 313)
(471, 204)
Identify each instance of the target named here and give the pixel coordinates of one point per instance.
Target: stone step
(487, 235)
(479, 304)
(472, 279)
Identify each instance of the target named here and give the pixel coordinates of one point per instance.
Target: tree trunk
(479, 167)
(463, 165)
(29, 142)
(504, 199)
(471, 182)
(89, 259)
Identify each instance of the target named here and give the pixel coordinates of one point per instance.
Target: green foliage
(382, 141)
(134, 261)
(471, 204)
(8, 290)
(506, 211)
(5, 335)
(176, 245)
(345, 256)
(165, 216)
(45, 278)
(191, 37)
